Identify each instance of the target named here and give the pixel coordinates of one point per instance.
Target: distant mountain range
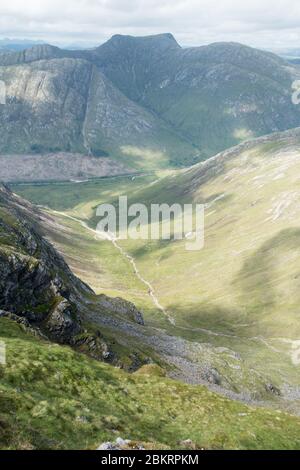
(144, 101)
(17, 44)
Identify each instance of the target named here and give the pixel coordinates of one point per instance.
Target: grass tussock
(54, 398)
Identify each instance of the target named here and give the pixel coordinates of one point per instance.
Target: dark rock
(62, 322)
(273, 389)
(122, 307)
(35, 282)
(94, 345)
(212, 376)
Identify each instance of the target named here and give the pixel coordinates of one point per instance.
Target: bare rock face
(45, 106)
(123, 308)
(136, 95)
(93, 344)
(121, 444)
(61, 104)
(38, 290)
(35, 282)
(62, 321)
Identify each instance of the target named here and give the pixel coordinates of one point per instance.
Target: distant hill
(143, 100)
(17, 44)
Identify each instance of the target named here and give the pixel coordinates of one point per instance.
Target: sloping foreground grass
(54, 398)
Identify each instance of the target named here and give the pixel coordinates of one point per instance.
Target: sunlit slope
(247, 275)
(242, 289)
(98, 263)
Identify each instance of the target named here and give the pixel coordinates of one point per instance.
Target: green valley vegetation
(238, 295)
(59, 386)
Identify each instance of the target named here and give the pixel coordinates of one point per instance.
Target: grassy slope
(99, 264)
(244, 283)
(248, 269)
(51, 397)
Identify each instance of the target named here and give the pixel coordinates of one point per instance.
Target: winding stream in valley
(295, 345)
(130, 259)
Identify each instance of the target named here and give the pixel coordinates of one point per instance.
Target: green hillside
(53, 398)
(241, 290)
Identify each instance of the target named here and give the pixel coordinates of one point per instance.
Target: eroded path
(294, 344)
(108, 236)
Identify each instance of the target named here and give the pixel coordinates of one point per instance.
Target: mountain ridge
(194, 102)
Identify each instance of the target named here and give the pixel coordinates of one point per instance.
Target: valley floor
(228, 356)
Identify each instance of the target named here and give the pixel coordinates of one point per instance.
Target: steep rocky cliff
(38, 288)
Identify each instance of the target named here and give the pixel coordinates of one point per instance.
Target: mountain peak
(162, 40)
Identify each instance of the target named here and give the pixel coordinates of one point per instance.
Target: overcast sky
(262, 23)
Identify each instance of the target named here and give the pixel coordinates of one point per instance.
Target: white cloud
(262, 23)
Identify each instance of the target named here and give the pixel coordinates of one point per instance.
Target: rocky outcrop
(121, 444)
(122, 307)
(37, 287)
(62, 321)
(35, 282)
(22, 322)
